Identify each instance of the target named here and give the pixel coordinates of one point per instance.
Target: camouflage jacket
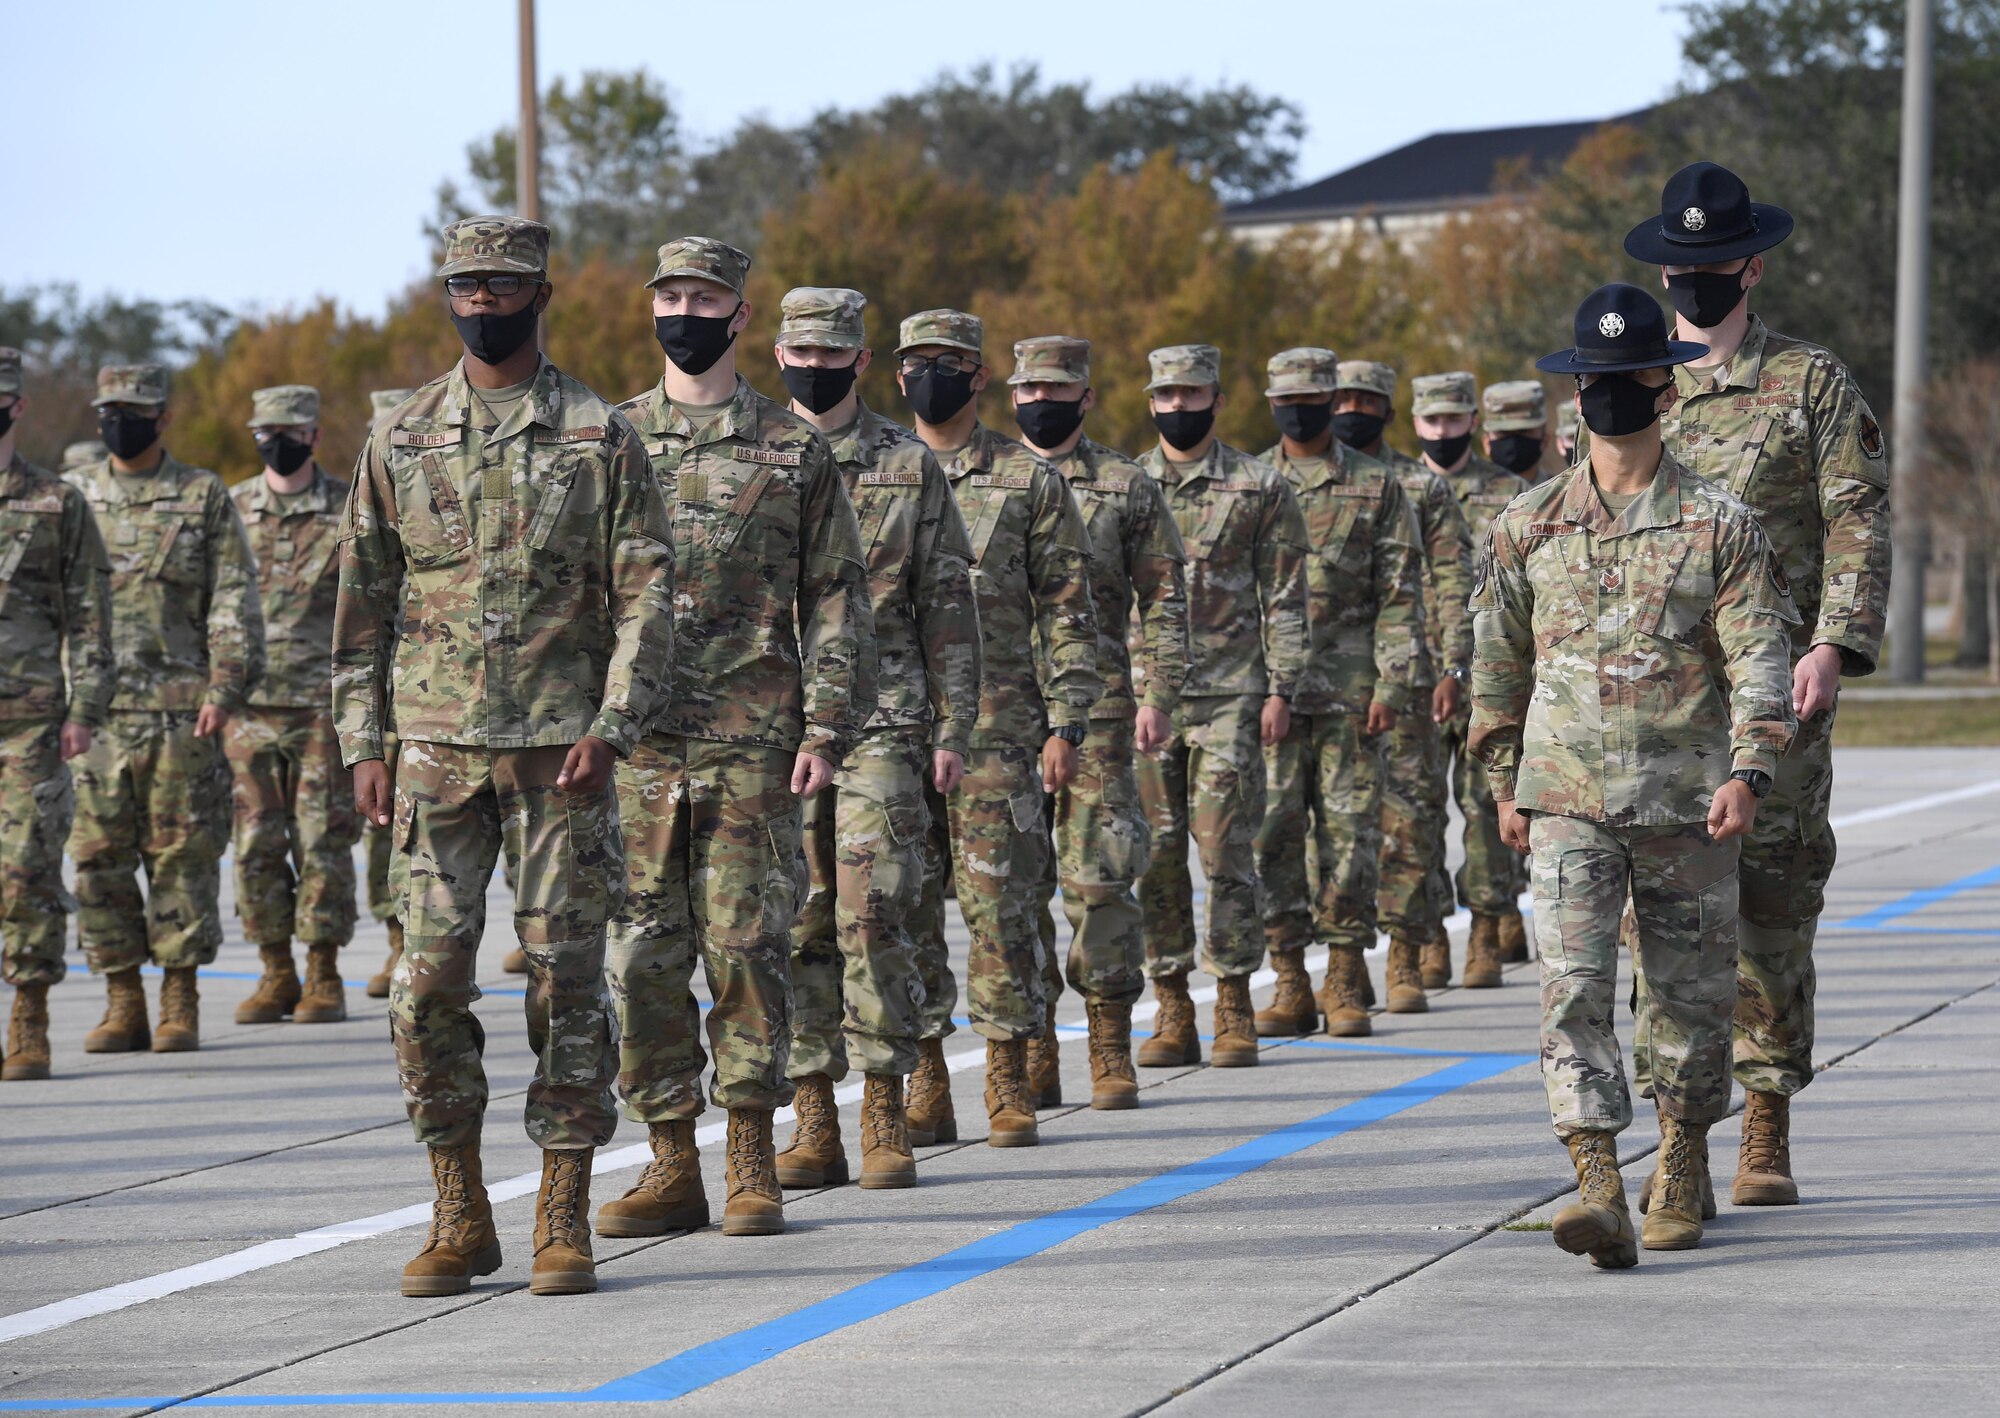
(1031, 574)
(775, 639)
(1482, 489)
(529, 561)
(1595, 685)
(927, 651)
(1364, 584)
(1786, 429)
(298, 582)
(186, 624)
(1246, 546)
(1136, 563)
(55, 602)
(1447, 547)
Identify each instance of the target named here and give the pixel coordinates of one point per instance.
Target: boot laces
(667, 1160)
(448, 1212)
(565, 1186)
(926, 1083)
(1597, 1177)
(1109, 1049)
(1677, 1168)
(810, 1110)
(879, 1117)
(1762, 1139)
(746, 1157)
(1010, 1082)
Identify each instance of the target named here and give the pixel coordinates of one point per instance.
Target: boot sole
(1482, 982)
(563, 1282)
(1233, 1058)
(316, 1017)
(689, 1218)
(140, 1044)
(888, 1181)
(1013, 1139)
(1187, 1059)
(23, 1073)
(1113, 1102)
(431, 1287)
(1437, 982)
(1349, 1028)
(1419, 1006)
(1607, 1250)
(807, 1178)
(946, 1131)
(753, 1225)
(1285, 1028)
(1670, 1243)
(258, 1016)
(1740, 1195)
(176, 1046)
(377, 992)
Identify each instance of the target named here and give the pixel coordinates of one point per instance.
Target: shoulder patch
(892, 477)
(1871, 436)
(407, 438)
(778, 457)
(589, 433)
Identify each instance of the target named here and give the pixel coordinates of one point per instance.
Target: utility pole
(528, 146)
(1913, 267)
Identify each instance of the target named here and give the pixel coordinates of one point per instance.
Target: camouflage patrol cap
(285, 404)
(10, 370)
(1370, 376)
(1184, 364)
(1306, 370)
(1051, 359)
(1454, 393)
(943, 327)
(385, 401)
(1515, 406)
(131, 384)
(824, 317)
(77, 455)
(504, 244)
(704, 257)
(1566, 420)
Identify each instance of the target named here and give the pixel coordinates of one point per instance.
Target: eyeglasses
(499, 284)
(916, 366)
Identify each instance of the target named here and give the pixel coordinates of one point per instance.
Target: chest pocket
(435, 532)
(1103, 521)
(888, 517)
(989, 512)
(1564, 603)
(1733, 462)
(1342, 529)
(735, 504)
(27, 530)
(182, 555)
(1676, 586)
(1213, 527)
(565, 469)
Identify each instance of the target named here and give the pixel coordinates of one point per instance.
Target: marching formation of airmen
(726, 682)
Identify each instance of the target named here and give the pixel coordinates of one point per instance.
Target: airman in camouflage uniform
(506, 583)
(55, 611)
(153, 788)
(381, 840)
(1515, 424)
(1780, 423)
(1630, 691)
(1248, 647)
(773, 681)
(294, 797)
(1137, 569)
(1323, 782)
(1039, 679)
(855, 984)
(1488, 879)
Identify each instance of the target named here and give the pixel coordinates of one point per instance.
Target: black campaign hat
(1620, 328)
(1706, 215)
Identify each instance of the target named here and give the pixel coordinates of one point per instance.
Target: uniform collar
(157, 486)
(1744, 370)
(858, 437)
(977, 456)
(1315, 472)
(1209, 465)
(738, 419)
(317, 498)
(1658, 506)
(542, 404)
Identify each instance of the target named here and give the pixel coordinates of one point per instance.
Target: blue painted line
(1917, 900)
(723, 1358)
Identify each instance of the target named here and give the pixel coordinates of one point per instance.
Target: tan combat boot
(1114, 1086)
(516, 962)
(1291, 1011)
(1482, 954)
(277, 992)
(1673, 1210)
(1235, 1026)
(1045, 1064)
(815, 1158)
(1707, 1185)
(28, 1034)
(1434, 960)
(755, 1206)
(378, 983)
(124, 1029)
(1010, 1111)
(180, 1013)
(886, 1160)
(668, 1195)
(563, 1263)
(928, 1112)
(1342, 1001)
(462, 1242)
(324, 999)
(1513, 937)
(1764, 1161)
(1597, 1223)
(1406, 980)
(1175, 1043)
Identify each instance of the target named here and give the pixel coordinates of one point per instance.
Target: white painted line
(1877, 814)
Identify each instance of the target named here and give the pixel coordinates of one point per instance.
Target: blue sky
(319, 132)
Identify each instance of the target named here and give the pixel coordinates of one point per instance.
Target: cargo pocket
(180, 560)
(596, 862)
(1124, 846)
(437, 533)
(788, 878)
(909, 818)
(1027, 805)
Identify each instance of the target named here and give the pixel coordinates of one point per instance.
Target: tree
(1962, 415)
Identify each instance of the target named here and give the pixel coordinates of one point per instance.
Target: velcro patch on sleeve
(778, 457)
(406, 438)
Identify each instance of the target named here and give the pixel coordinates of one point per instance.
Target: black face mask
(818, 389)
(1516, 452)
(1706, 297)
(492, 338)
(1184, 428)
(1358, 430)
(283, 455)
(695, 342)
(128, 435)
(1302, 423)
(6, 420)
(1616, 404)
(1445, 452)
(936, 397)
(1049, 422)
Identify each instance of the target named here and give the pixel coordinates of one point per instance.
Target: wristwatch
(1757, 778)
(1460, 673)
(1071, 734)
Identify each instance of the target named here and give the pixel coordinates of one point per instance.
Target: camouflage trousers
(855, 984)
(381, 851)
(715, 871)
(457, 810)
(1787, 859)
(1100, 848)
(37, 800)
(1323, 800)
(1683, 887)
(149, 793)
(1490, 878)
(1209, 782)
(1411, 897)
(296, 826)
(992, 834)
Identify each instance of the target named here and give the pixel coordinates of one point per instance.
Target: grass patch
(1527, 1226)
(1917, 723)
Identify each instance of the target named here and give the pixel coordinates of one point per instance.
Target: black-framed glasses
(916, 366)
(499, 284)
